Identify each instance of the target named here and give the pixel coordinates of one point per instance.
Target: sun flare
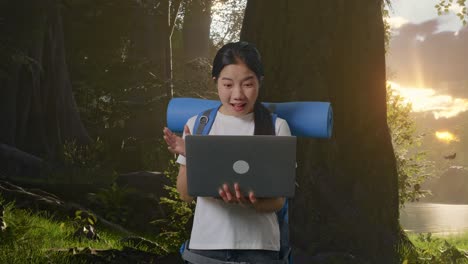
(446, 136)
(425, 99)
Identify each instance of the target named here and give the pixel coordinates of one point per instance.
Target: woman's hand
(260, 204)
(237, 196)
(175, 143)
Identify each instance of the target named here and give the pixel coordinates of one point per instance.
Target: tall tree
(38, 109)
(196, 29)
(154, 23)
(333, 50)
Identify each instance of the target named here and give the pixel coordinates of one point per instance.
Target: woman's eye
(227, 85)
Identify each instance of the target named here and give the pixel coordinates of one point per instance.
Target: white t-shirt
(219, 225)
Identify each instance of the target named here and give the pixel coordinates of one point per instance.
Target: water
(435, 218)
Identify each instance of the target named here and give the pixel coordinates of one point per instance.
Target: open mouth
(239, 107)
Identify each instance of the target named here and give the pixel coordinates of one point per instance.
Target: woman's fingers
(228, 192)
(175, 143)
(186, 130)
(172, 150)
(239, 195)
(223, 195)
(167, 132)
(252, 197)
(230, 197)
(168, 136)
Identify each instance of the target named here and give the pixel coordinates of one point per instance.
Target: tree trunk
(196, 29)
(333, 50)
(152, 38)
(150, 35)
(38, 109)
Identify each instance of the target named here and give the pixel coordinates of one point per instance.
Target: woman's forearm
(182, 184)
(269, 204)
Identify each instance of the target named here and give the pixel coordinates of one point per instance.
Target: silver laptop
(263, 164)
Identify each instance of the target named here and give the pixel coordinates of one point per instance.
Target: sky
(427, 58)
(418, 11)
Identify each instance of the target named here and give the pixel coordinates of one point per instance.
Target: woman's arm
(269, 204)
(182, 184)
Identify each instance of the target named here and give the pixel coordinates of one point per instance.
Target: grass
(439, 249)
(36, 238)
(458, 240)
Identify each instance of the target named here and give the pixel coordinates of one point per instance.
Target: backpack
(202, 126)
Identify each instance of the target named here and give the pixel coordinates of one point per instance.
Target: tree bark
(196, 29)
(38, 108)
(333, 50)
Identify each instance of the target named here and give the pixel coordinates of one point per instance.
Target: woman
(234, 228)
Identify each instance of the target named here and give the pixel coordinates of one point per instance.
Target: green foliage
(83, 156)
(174, 229)
(412, 165)
(443, 6)
(83, 164)
(112, 203)
(435, 250)
(387, 28)
(85, 225)
(35, 237)
(117, 81)
(84, 218)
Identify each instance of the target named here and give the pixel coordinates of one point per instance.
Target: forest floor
(27, 237)
(39, 238)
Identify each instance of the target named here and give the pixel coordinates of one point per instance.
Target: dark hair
(244, 52)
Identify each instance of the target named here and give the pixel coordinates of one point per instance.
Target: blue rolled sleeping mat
(305, 119)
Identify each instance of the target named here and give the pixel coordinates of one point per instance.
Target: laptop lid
(263, 164)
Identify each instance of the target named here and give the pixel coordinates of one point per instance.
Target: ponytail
(263, 121)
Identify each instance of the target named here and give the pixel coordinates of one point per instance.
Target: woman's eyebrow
(243, 80)
(248, 78)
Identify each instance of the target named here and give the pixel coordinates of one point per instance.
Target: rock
(17, 163)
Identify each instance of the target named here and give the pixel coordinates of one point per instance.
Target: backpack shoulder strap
(273, 119)
(283, 219)
(204, 121)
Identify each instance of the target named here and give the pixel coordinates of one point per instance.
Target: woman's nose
(237, 92)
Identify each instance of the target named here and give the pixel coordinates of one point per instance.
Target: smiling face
(237, 89)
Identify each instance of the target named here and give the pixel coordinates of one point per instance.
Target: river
(435, 218)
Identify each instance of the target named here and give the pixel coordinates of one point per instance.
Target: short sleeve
(282, 127)
(190, 123)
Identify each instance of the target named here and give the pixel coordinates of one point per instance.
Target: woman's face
(237, 89)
